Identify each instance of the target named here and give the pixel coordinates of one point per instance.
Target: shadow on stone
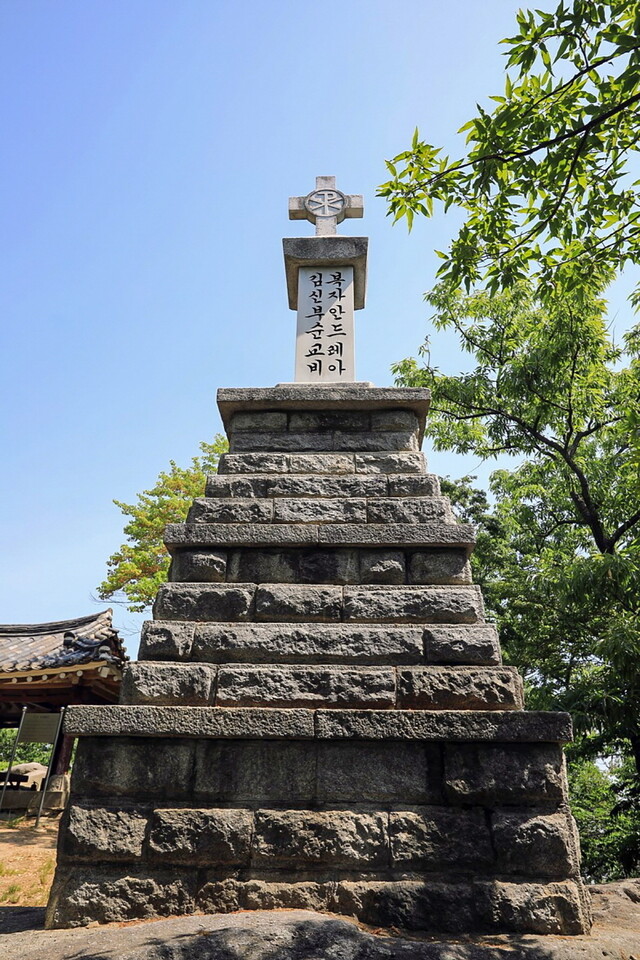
(21, 919)
(273, 937)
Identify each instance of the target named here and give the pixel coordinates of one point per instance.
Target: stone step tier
(320, 717)
(179, 640)
(450, 821)
(334, 685)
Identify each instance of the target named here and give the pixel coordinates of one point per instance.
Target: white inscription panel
(325, 350)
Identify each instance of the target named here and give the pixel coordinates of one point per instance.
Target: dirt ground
(27, 861)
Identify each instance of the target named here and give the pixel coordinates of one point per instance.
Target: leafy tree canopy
(559, 553)
(25, 752)
(609, 825)
(547, 185)
(141, 564)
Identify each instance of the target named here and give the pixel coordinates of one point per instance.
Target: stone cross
(325, 206)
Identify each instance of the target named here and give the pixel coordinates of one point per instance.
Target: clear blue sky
(148, 151)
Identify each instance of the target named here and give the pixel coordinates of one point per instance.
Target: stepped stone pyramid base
(320, 718)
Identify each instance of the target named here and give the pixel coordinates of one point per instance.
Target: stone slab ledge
(179, 535)
(309, 397)
(320, 510)
(305, 724)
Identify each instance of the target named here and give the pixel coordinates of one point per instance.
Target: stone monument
(326, 280)
(320, 717)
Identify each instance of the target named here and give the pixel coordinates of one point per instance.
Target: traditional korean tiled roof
(37, 646)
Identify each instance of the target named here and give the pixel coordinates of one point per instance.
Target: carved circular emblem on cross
(325, 203)
(326, 206)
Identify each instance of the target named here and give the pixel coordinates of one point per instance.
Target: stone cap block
(326, 252)
(272, 723)
(308, 397)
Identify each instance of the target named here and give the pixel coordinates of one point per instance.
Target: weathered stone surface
(408, 510)
(106, 895)
(462, 644)
(284, 934)
(336, 440)
(446, 725)
(230, 534)
(132, 768)
(350, 421)
(253, 463)
(399, 534)
(263, 566)
(166, 641)
(390, 463)
(394, 420)
(251, 772)
(327, 463)
(416, 905)
(230, 510)
(408, 462)
(460, 688)
(535, 844)
(334, 510)
(306, 686)
(328, 566)
(412, 485)
(364, 604)
(439, 566)
(203, 837)
(504, 773)
(230, 895)
(307, 643)
(382, 566)
(347, 565)
(400, 440)
(344, 398)
(440, 838)
(103, 833)
(382, 772)
(216, 535)
(228, 485)
(319, 485)
(298, 602)
(554, 908)
(281, 442)
(151, 721)
(199, 566)
(204, 601)
(257, 421)
(334, 838)
(348, 485)
(456, 726)
(413, 604)
(168, 683)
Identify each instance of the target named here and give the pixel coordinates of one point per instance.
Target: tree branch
(581, 73)
(624, 527)
(505, 155)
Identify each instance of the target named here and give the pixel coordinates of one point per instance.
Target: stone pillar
(326, 282)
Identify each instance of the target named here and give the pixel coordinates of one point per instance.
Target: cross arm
(354, 207)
